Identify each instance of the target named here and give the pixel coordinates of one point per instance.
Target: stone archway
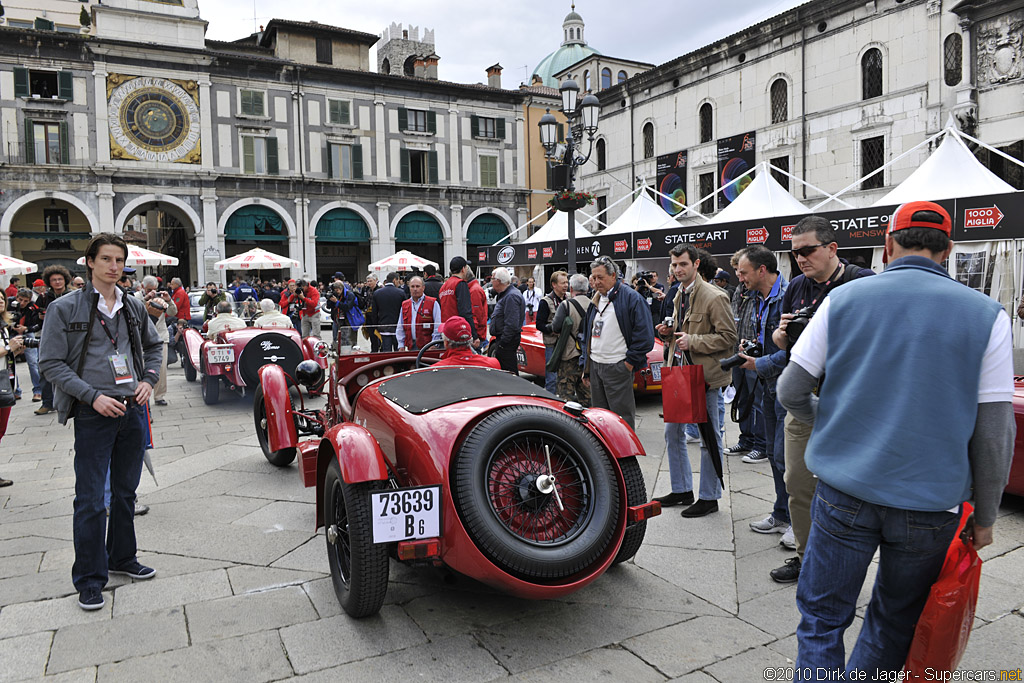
(168, 225)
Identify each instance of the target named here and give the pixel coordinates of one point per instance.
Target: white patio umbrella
(402, 260)
(257, 259)
(15, 266)
(138, 256)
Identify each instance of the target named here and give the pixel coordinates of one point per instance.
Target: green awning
(419, 227)
(255, 223)
(342, 225)
(485, 230)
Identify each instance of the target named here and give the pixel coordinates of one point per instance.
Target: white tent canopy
(257, 259)
(643, 214)
(399, 261)
(763, 198)
(15, 266)
(557, 228)
(951, 171)
(139, 256)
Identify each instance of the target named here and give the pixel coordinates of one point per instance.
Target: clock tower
(153, 22)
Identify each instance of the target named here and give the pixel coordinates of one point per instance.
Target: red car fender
(193, 344)
(358, 453)
(281, 432)
(615, 432)
(309, 350)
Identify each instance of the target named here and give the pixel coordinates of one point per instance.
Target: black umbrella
(708, 436)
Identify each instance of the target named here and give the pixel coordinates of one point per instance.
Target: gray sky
(471, 35)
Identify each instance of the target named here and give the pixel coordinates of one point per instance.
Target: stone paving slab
(24, 656)
(48, 615)
(706, 573)
(18, 565)
(130, 636)
(707, 639)
(995, 646)
(452, 612)
(160, 592)
(249, 579)
(610, 664)
(282, 515)
(233, 543)
(249, 613)
(222, 509)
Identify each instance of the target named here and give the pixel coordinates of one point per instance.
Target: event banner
(988, 217)
(672, 182)
(735, 160)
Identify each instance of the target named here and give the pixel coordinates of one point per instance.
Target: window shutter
(499, 127)
(257, 104)
(246, 104)
(43, 24)
(329, 160)
(335, 111)
(432, 161)
(21, 87)
(272, 156)
(30, 142)
(561, 132)
(432, 122)
(404, 157)
(474, 125)
(248, 155)
(65, 147)
(65, 85)
(344, 113)
(357, 162)
(403, 119)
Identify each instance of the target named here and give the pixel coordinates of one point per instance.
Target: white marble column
(208, 240)
(205, 122)
(306, 251)
(105, 199)
(520, 143)
(102, 135)
(383, 245)
(456, 246)
(454, 150)
(380, 122)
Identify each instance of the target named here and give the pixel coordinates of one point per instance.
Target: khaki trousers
(160, 390)
(800, 483)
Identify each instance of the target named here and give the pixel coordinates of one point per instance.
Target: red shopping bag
(683, 394)
(945, 624)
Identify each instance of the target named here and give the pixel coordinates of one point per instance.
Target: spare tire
(270, 348)
(500, 496)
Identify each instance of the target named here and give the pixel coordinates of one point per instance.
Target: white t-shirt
(996, 381)
(607, 345)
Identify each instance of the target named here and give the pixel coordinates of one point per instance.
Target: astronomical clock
(153, 119)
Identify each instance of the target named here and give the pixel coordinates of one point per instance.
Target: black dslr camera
(797, 325)
(31, 342)
(750, 347)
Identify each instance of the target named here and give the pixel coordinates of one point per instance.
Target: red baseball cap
(457, 329)
(38, 283)
(920, 215)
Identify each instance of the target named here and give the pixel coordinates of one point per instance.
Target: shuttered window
(488, 171)
(339, 112)
(259, 155)
(252, 103)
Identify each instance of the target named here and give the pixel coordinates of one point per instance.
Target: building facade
(284, 140)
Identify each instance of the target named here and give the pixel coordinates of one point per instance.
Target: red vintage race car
(1016, 484)
(530, 358)
(466, 467)
(233, 359)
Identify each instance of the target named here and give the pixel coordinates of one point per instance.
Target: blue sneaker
(135, 570)
(90, 599)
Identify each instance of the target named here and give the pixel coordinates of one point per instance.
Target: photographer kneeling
(816, 251)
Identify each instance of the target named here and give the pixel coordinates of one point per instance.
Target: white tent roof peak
(557, 228)
(950, 171)
(643, 214)
(763, 198)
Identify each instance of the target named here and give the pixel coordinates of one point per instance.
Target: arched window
(704, 114)
(871, 73)
(385, 67)
(586, 81)
(409, 69)
(953, 54)
(779, 100)
(600, 155)
(648, 140)
(606, 78)
(622, 77)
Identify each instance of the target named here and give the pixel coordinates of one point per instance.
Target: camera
(669, 322)
(799, 322)
(30, 343)
(750, 347)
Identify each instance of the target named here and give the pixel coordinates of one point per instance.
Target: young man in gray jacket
(102, 353)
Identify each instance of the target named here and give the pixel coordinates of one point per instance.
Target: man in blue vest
(914, 417)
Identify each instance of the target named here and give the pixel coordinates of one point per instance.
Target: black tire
(278, 458)
(359, 567)
(190, 371)
(211, 389)
(523, 531)
(636, 494)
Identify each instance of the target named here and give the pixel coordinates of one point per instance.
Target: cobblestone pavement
(243, 591)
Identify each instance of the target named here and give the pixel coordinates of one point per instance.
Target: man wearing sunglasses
(816, 251)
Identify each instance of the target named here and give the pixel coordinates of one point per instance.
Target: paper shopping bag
(683, 394)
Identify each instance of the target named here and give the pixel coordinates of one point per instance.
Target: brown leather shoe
(42, 410)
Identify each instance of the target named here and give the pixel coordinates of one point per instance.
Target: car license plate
(656, 372)
(404, 514)
(221, 355)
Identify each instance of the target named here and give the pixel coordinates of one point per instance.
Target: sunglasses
(809, 249)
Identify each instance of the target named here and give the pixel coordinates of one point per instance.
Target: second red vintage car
(530, 359)
(466, 467)
(233, 359)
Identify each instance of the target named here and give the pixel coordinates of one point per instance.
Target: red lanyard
(103, 324)
(824, 287)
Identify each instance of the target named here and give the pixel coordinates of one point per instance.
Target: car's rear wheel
(282, 457)
(359, 567)
(636, 494)
(190, 370)
(503, 493)
(211, 389)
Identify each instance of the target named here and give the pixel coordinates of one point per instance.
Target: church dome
(574, 48)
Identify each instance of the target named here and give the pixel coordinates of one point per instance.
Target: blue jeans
(845, 533)
(550, 378)
(679, 469)
(775, 447)
(694, 431)
(32, 361)
(102, 443)
(752, 426)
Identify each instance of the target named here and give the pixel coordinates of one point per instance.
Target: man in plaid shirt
(746, 405)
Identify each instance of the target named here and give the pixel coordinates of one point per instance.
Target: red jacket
(479, 299)
(467, 357)
(180, 299)
(312, 302)
(424, 322)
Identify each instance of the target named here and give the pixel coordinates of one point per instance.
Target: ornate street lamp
(582, 116)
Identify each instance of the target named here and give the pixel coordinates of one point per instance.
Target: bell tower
(155, 22)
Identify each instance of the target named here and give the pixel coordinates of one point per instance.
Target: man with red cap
(915, 418)
(458, 337)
